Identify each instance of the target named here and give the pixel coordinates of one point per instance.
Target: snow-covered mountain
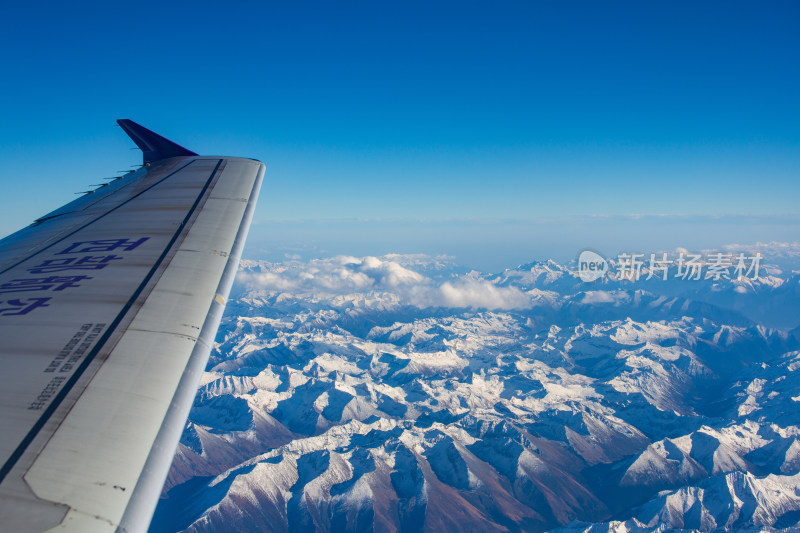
(403, 393)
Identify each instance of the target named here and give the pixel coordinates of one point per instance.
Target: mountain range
(406, 393)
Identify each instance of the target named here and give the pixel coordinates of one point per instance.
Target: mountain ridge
(358, 394)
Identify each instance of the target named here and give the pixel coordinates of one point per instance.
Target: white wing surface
(108, 311)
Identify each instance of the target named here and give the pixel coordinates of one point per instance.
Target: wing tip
(154, 147)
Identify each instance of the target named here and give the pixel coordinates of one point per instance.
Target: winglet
(154, 147)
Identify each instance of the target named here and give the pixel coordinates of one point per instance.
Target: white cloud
(389, 273)
(472, 293)
(334, 277)
(775, 246)
(604, 297)
(268, 280)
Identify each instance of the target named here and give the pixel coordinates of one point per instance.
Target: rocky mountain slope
(402, 393)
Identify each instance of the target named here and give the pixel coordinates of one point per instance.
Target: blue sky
(498, 132)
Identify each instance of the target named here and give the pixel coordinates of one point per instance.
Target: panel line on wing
(48, 412)
(96, 219)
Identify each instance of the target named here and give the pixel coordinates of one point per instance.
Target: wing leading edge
(108, 311)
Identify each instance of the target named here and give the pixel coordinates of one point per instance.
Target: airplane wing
(108, 311)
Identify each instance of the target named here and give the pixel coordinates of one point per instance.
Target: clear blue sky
(469, 128)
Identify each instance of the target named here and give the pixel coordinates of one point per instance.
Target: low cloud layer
(340, 274)
(345, 275)
(471, 293)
